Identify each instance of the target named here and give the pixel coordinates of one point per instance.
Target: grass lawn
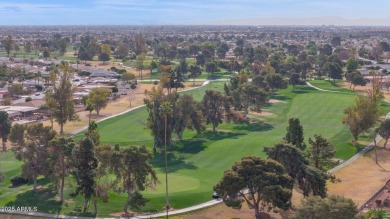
(197, 163)
(330, 85)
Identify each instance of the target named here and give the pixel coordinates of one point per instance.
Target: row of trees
(266, 184)
(43, 152)
(240, 96)
(186, 113)
(56, 44)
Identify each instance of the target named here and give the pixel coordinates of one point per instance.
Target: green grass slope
(197, 163)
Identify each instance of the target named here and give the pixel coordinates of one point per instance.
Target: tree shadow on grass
(213, 77)
(218, 135)
(254, 126)
(279, 97)
(192, 146)
(175, 162)
(78, 211)
(302, 90)
(333, 83)
(43, 199)
(40, 182)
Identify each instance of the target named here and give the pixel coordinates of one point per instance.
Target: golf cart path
(199, 206)
(174, 212)
(320, 89)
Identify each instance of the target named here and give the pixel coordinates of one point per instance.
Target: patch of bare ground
(191, 84)
(220, 130)
(122, 214)
(363, 178)
(363, 89)
(262, 113)
(69, 201)
(220, 211)
(275, 101)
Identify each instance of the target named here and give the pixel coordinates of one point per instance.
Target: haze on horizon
(176, 12)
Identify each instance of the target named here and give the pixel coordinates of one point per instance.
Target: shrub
(375, 214)
(317, 207)
(6, 102)
(121, 71)
(84, 73)
(386, 202)
(111, 83)
(18, 181)
(39, 87)
(155, 82)
(133, 86)
(28, 99)
(2, 84)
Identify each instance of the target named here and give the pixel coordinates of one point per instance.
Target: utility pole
(165, 110)
(166, 169)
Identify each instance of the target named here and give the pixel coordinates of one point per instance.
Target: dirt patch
(191, 84)
(69, 201)
(381, 200)
(363, 89)
(221, 211)
(220, 130)
(363, 178)
(122, 214)
(262, 113)
(275, 101)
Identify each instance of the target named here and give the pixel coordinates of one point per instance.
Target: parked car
(215, 195)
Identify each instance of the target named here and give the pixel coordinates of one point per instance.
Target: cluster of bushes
(133, 85)
(386, 202)
(18, 181)
(39, 87)
(119, 71)
(84, 74)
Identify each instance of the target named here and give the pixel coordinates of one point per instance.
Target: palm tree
(89, 108)
(38, 75)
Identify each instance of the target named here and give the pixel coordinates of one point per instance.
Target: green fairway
(198, 162)
(330, 85)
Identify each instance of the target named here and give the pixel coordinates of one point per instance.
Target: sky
(189, 12)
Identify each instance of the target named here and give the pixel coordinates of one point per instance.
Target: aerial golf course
(198, 162)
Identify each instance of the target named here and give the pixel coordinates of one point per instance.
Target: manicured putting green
(181, 183)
